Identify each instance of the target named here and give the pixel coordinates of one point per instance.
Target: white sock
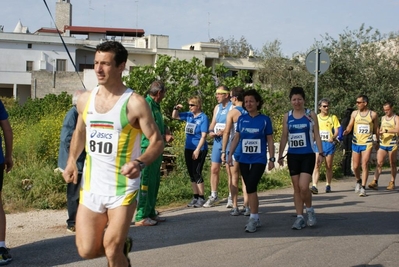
(310, 209)
(255, 216)
(214, 194)
(2, 244)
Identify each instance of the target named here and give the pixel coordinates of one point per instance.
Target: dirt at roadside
(33, 226)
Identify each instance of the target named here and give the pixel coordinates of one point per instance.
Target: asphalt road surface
(351, 231)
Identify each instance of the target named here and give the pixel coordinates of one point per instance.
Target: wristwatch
(141, 164)
(272, 159)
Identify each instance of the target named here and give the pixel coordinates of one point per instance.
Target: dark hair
(238, 92)
(297, 91)
(155, 87)
(364, 97)
(120, 52)
(388, 103)
(256, 95)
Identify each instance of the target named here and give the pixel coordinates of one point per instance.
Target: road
(351, 231)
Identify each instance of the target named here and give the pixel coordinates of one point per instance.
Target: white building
(36, 64)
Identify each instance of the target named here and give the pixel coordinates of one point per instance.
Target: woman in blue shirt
(300, 130)
(253, 135)
(196, 147)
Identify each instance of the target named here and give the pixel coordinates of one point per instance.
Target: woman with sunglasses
(196, 147)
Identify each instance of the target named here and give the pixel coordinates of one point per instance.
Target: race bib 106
(297, 140)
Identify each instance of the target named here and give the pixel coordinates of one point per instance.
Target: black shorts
(251, 174)
(298, 163)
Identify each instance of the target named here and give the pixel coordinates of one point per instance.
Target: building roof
(19, 28)
(106, 31)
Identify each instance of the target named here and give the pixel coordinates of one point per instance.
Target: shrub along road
(351, 231)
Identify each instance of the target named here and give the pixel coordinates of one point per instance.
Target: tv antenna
(90, 8)
(209, 26)
(137, 16)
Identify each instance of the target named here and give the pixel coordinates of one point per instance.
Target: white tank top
(110, 142)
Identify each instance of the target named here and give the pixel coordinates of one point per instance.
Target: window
(61, 65)
(29, 45)
(82, 67)
(29, 65)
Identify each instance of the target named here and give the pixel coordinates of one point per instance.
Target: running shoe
(314, 190)
(328, 189)
(299, 223)
(71, 229)
(247, 211)
(357, 187)
(234, 212)
(200, 202)
(362, 192)
(192, 203)
(311, 218)
(252, 224)
(5, 256)
(211, 202)
(229, 204)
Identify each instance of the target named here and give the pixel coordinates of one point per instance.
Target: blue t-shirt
(252, 145)
(234, 129)
(300, 134)
(221, 116)
(195, 126)
(3, 116)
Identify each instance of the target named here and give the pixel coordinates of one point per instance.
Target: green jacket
(157, 115)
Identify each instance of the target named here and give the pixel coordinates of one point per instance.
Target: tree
(363, 61)
(183, 79)
(234, 48)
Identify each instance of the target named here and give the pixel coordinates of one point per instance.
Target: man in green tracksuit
(151, 175)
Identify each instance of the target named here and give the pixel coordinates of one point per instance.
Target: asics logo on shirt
(101, 135)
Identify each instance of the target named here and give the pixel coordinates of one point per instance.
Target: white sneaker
(211, 202)
(311, 218)
(357, 187)
(362, 192)
(229, 204)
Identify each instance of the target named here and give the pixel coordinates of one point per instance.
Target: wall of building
(45, 82)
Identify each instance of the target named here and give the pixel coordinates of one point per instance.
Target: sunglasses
(359, 102)
(192, 105)
(325, 106)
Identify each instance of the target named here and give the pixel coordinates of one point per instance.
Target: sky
(297, 24)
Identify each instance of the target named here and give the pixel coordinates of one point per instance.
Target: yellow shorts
(101, 204)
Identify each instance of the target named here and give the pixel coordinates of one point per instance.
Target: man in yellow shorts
(364, 123)
(389, 131)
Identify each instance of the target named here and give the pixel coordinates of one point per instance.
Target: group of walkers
(242, 138)
(124, 135)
